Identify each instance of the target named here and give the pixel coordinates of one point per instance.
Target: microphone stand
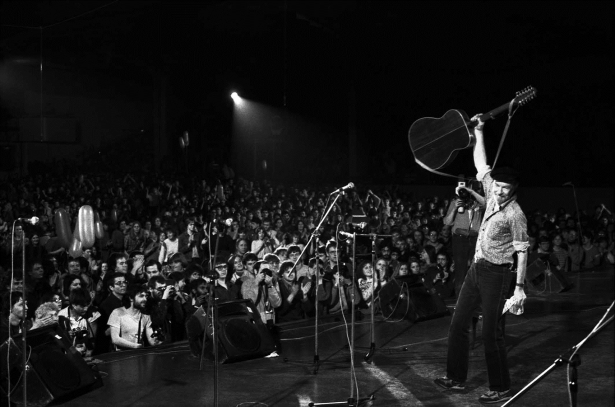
(313, 240)
(352, 401)
(573, 361)
(24, 349)
(214, 318)
(372, 346)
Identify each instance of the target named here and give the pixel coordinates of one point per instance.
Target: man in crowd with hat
(499, 265)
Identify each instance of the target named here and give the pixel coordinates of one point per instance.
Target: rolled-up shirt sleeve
(521, 242)
(482, 171)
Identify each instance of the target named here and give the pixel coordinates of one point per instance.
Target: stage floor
(408, 357)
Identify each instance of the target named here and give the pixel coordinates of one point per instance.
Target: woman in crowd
(262, 245)
(134, 241)
(367, 283)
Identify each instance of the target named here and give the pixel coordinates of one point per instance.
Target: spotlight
(235, 96)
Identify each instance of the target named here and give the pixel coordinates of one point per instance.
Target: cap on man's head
(505, 174)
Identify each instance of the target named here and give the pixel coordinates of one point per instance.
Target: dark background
(401, 61)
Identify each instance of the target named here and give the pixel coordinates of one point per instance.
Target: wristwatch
(520, 285)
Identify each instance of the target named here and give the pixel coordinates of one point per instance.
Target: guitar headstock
(526, 95)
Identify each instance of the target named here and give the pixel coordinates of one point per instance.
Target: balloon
(63, 228)
(99, 230)
(76, 231)
(86, 226)
(182, 144)
(114, 215)
(76, 250)
(186, 138)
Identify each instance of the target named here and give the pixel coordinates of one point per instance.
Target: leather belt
(505, 265)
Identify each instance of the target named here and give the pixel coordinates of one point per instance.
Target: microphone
(33, 220)
(343, 189)
(346, 234)
(361, 225)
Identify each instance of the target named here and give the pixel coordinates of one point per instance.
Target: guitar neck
(491, 114)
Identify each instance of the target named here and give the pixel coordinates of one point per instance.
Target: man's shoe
(493, 397)
(449, 384)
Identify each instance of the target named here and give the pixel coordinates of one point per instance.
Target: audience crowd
(169, 244)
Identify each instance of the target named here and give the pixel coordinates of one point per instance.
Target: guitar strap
(511, 112)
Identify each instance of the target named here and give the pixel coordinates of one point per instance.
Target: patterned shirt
(504, 228)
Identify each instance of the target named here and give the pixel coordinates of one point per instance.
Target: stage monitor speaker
(56, 371)
(242, 335)
(535, 273)
(407, 297)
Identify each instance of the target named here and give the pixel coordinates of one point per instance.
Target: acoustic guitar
(436, 142)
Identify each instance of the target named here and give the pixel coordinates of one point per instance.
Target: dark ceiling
(406, 59)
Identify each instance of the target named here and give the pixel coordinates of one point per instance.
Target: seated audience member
(590, 257)
(197, 319)
(368, 285)
(130, 327)
(13, 315)
(294, 294)
(415, 266)
(79, 319)
(152, 268)
(46, 314)
(38, 289)
(441, 276)
(282, 253)
(249, 260)
(194, 272)
(607, 259)
(293, 253)
(117, 287)
(575, 251)
(71, 282)
(238, 275)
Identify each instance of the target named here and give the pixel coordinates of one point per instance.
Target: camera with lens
(79, 335)
(466, 198)
(267, 272)
(157, 333)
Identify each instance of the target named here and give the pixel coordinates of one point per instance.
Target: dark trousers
(490, 286)
(463, 251)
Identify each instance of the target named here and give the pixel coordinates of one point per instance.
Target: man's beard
(140, 305)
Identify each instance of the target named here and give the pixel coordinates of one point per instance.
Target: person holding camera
(464, 216)
(264, 293)
(499, 262)
(160, 293)
(80, 320)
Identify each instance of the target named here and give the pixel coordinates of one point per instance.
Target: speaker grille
(242, 334)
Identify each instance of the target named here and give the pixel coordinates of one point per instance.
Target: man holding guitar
(499, 261)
